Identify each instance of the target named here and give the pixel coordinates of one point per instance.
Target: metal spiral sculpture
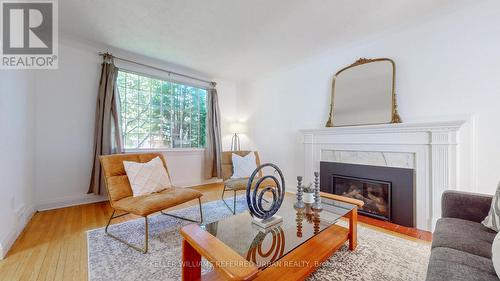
(254, 200)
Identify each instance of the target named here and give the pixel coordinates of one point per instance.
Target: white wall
(227, 92)
(447, 68)
(16, 149)
(65, 110)
(64, 126)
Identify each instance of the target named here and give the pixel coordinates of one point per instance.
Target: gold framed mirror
(363, 93)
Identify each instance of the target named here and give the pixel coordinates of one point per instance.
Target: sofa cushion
(451, 264)
(463, 235)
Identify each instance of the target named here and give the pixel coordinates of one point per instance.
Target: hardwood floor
(53, 246)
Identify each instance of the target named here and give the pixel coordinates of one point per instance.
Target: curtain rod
(159, 69)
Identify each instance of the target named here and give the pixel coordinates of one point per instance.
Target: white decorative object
(243, 167)
(267, 223)
(146, 178)
(429, 148)
(308, 197)
(495, 254)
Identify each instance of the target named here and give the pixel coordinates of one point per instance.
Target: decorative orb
(256, 196)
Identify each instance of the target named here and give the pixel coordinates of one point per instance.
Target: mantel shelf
(390, 128)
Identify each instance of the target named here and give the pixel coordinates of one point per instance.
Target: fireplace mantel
(432, 147)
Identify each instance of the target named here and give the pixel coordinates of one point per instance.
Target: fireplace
(388, 192)
(375, 194)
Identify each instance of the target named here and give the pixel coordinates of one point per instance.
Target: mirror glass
(362, 93)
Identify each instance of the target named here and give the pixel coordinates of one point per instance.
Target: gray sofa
(461, 245)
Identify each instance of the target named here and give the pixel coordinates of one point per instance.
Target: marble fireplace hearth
(430, 149)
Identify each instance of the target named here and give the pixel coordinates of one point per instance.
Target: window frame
(170, 80)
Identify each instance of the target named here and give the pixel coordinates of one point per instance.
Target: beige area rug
(379, 256)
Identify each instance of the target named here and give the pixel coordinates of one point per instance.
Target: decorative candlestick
(299, 203)
(317, 198)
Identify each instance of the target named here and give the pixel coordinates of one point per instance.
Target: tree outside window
(161, 114)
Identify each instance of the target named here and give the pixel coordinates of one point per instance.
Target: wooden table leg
(191, 262)
(353, 229)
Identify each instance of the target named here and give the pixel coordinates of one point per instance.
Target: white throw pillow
(495, 254)
(243, 167)
(492, 221)
(146, 178)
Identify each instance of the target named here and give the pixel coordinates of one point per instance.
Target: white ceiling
(236, 39)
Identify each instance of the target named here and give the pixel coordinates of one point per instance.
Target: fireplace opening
(388, 192)
(375, 194)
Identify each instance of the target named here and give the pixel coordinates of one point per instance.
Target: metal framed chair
(238, 184)
(122, 200)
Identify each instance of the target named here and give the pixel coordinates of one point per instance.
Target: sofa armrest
(465, 205)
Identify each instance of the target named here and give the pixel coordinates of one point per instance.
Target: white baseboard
(69, 201)
(7, 242)
(23, 216)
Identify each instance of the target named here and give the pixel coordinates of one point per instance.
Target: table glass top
(263, 247)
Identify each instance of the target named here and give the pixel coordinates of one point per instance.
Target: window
(161, 114)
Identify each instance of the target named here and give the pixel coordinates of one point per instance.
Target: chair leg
(234, 203)
(186, 219)
(233, 210)
(143, 250)
(227, 205)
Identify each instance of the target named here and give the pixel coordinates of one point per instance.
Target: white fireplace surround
(428, 148)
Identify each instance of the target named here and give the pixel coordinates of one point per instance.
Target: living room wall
(447, 69)
(65, 108)
(16, 148)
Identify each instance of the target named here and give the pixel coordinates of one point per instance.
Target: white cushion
(495, 254)
(492, 221)
(146, 178)
(243, 167)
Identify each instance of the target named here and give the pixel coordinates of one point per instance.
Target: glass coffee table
(291, 250)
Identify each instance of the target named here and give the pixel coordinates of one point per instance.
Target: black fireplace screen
(375, 194)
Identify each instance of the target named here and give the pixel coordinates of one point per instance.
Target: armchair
(238, 184)
(122, 200)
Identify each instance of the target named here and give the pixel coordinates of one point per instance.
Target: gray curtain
(108, 137)
(213, 141)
